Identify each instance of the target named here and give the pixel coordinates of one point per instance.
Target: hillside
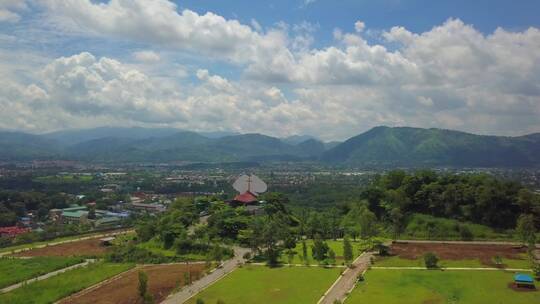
(15, 146)
(403, 146)
(380, 146)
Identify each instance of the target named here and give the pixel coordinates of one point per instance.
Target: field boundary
(84, 238)
(450, 268)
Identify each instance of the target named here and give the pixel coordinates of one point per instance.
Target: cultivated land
(17, 270)
(62, 285)
(87, 248)
(260, 284)
(456, 255)
(162, 279)
(65, 239)
(436, 286)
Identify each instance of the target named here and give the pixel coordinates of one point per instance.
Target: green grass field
(336, 246)
(17, 270)
(62, 285)
(394, 261)
(260, 284)
(435, 286)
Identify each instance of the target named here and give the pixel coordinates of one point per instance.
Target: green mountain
(186, 146)
(15, 146)
(403, 146)
(378, 147)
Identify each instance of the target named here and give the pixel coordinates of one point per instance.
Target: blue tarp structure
(523, 278)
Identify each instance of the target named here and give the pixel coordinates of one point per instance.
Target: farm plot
(86, 248)
(17, 270)
(62, 285)
(456, 255)
(162, 279)
(260, 284)
(436, 286)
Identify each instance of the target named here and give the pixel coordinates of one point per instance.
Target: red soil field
(162, 279)
(484, 253)
(91, 247)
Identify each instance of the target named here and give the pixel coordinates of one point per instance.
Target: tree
(143, 284)
(430, 260)
(536, 270)
(199, 301)
(396, 216)
(319, 249)
(304, 252)
(347, 250)
(331, 256)
(187, 278)
(525, 228)
(498, 260)
(465, 233)
(143, 288)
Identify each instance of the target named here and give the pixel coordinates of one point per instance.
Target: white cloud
(146, 56)
(451, 76)
(359, 26)
(159, 22)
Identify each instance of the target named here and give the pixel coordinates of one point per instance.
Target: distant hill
(22, 146)
(187, 146)
(70, 137)
(380, 146)
(296, 139)
(403, 146)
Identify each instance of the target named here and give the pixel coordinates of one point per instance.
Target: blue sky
(331, 69)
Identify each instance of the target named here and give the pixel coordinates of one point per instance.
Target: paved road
(52, 243)
(347, 280)
(45, 276)
(190, 291)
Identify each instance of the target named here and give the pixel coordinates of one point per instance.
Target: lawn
(435, 286)
(336, 246)
(260, 284)
(395, 261)
(62, 285)
(17, 270)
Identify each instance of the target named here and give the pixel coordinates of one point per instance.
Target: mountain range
(380, 146)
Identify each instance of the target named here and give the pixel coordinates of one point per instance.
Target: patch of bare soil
(162, 279)
(485, 253)
(91, 247)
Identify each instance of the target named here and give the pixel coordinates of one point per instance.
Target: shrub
(431, 260)
(199, 301)
(465, 233)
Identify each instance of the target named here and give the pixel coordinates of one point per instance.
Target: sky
(330, 69)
